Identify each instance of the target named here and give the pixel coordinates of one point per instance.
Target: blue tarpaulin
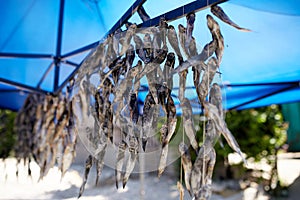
(42, 43)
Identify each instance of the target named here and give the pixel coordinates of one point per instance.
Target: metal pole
(57, 59)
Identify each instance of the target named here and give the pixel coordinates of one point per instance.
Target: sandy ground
(53, 187)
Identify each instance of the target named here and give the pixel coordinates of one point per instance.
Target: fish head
(181, 28)
(182, 148)
(191, 17)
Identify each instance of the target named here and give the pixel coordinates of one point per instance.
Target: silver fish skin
(207, 51)
(193, 47)
(215, 98)
(167, 131)
(191, 17)
(182, 39)
(120, 161)
(173, 40)
(196, 175)
(129, 33)
(219, 12)
(211, 111)
(163, 26)
(163, 159)
(147, 118)
(133, 107)
(123, 88)
(214, 28)
(67, 158)
(187, 115)
(182, 84)
(139, 47)
(187, 165)
(88, 165)
(116, 40)
(161, 55)
(207, 78)
(143, 14)
(171, 118)
(205, 191)
(157, 40)
(133, 154)
(136, 83)
(99, 163)
(148, 48)
(180, 190)
(168, 68)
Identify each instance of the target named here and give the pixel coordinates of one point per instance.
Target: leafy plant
(7, 134)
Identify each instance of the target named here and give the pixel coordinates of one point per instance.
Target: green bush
(7, 134)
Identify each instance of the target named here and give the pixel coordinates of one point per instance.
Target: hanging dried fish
(88, 166)
(163, 26)
(142, 13)
(120, 161)
(167, 131)
(181, 190)
(168, 68)
(147, 118)
(212, 113)
(182, 39)
(126, 40)
(133, 154)
(182, 84)
(190, 18)
(186, 162)
(209, 73)
(187, 116)
(173, 40)
(216, 34)
(207, 51)
(219, 12)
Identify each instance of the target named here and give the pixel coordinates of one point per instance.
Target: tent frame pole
(23, 86)
(57, 58)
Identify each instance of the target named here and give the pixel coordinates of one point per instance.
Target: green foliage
(259, 132)
(7, 134)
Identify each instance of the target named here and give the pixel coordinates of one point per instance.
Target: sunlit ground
(53, 187)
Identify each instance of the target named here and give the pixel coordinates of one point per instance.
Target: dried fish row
(104, 97)
(46, 132)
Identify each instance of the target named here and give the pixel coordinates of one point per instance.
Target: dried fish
(129, 33)
(207, 78)
(215, 98)
(182, 39)
(139, 47)
(219, 12)
(133, 154)
(181, 190)
(191, 17)
(120, 161)
(163, 159)
(142, 13)
(207, 51)
(182, 84)
(88, 165)
(205, 190)
(168, 68)
(216, 34)
(186, 162)
(173, 40)
(147, 118)
(189, 128)
(163, 26)
(212, 113)
(167, 132)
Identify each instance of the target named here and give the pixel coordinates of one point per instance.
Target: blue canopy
(42, 44)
